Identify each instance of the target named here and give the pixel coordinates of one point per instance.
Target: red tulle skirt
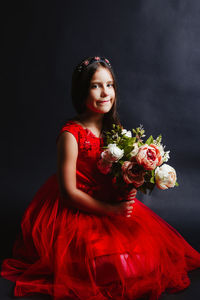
(73, 255)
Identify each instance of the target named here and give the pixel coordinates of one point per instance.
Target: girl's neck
(91, 120)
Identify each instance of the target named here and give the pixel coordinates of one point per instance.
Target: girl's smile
(103, 101)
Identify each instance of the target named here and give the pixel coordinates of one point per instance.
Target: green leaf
(150, 140)
(131, 141)
(128, 156)
(159, 138)
(142, 132)
(152, 180)
(176, 184)
(140, 144)
(134, 140)
(128, 147)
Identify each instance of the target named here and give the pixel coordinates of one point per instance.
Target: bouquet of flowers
(135, 163)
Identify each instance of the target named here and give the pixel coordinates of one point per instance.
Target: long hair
(81, 79)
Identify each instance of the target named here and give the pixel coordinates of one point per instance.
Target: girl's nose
(104, 91)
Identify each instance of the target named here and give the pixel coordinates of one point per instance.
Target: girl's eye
(94, 86)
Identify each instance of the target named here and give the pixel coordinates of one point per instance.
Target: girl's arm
(66, 170)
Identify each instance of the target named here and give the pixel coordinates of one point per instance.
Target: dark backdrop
(154, 47)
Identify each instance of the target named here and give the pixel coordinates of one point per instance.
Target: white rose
(134, 152)
(165, 177)
(113, 153)
(126, 133)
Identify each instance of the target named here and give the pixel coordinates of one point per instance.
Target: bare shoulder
(67, 153)
(67, 144)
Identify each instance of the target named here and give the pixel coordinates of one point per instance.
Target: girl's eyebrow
(97, 81)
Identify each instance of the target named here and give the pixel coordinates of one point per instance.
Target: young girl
(79, 238)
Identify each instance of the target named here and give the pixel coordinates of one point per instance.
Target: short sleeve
(71, 127)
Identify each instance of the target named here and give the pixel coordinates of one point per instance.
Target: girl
(83, 239)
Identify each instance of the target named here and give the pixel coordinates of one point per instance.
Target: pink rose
(133, 173)
(104, 166)
(97, 58)
(149, 157)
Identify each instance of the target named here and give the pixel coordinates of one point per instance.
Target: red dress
(70, 254)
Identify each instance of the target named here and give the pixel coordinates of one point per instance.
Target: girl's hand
(130, 195)
(123, 208)
(127, 195)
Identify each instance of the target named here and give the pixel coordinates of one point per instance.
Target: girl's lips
(103, 101)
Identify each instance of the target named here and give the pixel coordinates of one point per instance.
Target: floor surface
(191, 293)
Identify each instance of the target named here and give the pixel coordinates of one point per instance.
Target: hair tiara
(84, 64)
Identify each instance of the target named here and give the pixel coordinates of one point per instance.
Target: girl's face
(101, 94)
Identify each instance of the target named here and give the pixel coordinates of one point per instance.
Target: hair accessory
(88, 62)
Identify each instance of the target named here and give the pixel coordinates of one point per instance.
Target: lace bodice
(89, 178)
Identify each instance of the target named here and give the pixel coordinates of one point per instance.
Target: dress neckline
(87, 130)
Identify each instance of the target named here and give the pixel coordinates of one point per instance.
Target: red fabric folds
(73, 255)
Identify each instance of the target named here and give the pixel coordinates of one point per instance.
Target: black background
(154, 47)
